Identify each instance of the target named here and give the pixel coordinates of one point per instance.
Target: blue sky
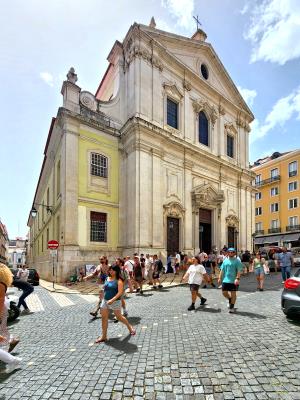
(257, 41)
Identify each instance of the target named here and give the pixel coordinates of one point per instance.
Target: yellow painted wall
(106, 200)
(284, 195)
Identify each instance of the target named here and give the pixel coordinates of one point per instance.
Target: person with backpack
(100, 273)
(158, 267)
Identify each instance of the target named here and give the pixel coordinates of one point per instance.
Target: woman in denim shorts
(258, 264)
(113, 291)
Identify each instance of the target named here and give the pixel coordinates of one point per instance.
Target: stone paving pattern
(208, 354)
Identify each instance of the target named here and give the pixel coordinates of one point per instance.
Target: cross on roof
(197, 21)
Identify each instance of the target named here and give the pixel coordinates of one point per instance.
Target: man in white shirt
(129, 264)
(195, 274)
(23, 273)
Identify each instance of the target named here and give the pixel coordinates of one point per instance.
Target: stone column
(188, 216)
(157, 200)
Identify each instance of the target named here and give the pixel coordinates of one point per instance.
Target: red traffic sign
(53, 244)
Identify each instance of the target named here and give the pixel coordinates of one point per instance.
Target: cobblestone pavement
(206, 354)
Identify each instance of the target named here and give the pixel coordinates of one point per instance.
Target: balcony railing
(259, 232)
(274, 230)
(289, 228)
(267, 181)
(292, 173)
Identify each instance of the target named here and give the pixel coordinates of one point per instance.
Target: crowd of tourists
(130, 274)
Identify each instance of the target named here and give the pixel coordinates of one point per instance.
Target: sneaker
(93, 314)
(261, 290)
(14, 365)
(115, 320)
(203, 301)
(213, 285)
(204, 287)
(154, 287)
(220, 287)
(160, 286)
(231, 310)
(191, 307)
(13, 344)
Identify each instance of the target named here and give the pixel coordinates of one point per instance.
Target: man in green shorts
(230, 273)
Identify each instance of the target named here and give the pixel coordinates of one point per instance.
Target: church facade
(155, 162)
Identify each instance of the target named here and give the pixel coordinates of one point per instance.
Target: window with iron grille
(274, 223)
(99, 165)
(230, 146)
(98, 227)
(172, 113)
(293, 221)
(274, 173)
(203, 129)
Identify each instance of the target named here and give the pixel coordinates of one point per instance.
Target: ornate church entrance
(172, 235)
(205, 230)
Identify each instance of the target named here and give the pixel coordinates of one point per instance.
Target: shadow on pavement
(294, 320)
(16, 321)
(123, 345)
(250, 314)
(144, 294)
(208, 309)
(134, 320)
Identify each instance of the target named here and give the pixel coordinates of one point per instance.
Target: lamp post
(34, 211)
(253, 241)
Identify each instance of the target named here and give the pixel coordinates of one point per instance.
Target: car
(290, 297)
(296, 256)
(33, 277)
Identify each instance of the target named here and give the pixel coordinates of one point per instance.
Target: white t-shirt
(129, 265)
(177, 258)
(196, 274)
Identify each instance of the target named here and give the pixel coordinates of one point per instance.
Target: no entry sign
(53, 244)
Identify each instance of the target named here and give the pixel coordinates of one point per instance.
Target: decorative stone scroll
(174, 209)
(88, 100)
(230, 128)
(203, 105)
(243, 124)
(206, 195)
(134, 51)
(232, 220)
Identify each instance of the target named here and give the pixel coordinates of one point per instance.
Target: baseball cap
(231, 249)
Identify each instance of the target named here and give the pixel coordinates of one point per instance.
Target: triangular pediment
(192, 54)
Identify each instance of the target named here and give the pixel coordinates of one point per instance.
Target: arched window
(203, 129)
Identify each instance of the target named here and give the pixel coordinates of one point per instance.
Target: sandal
(13, 344)
(100, 340)
(133, 332)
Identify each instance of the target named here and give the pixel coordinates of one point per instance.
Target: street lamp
(34, 212)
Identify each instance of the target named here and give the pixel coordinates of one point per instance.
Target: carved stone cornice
(210, 110)
(174, 209)
(230, 128)
(187, 86)
(173, 90)
(243, 124)
(232, 220)
(134, 51)
(207, 196)
(221, 110)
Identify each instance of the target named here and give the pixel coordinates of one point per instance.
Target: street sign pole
(53, 246)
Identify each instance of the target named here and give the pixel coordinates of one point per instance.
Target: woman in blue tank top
(113, 290)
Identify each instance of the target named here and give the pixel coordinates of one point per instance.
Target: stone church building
(155, 162)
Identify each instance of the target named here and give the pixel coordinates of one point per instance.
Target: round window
(204, 71)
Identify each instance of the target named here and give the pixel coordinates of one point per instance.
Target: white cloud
(163, 25)
(47, 78)
(274, 30)
(248, 95)
(283, 110)
(181, 10)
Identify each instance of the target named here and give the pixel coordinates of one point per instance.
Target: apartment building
(277, 210)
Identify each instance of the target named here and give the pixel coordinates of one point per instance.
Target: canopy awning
(267, 239)
(291, 237)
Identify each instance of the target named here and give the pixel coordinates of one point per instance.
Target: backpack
(159, 265)
(124, 275)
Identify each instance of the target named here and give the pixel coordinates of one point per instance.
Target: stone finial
(72, 77)
(199, 35)
(152, 23)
